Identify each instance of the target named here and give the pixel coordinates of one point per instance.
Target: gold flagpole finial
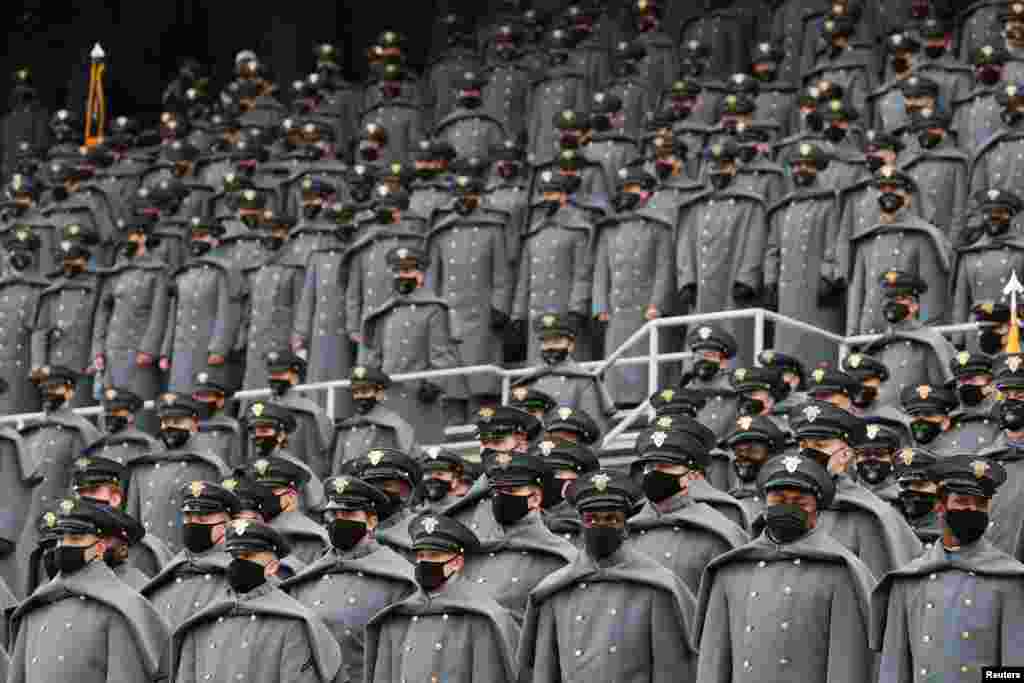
(1012, 289)
(96, 106)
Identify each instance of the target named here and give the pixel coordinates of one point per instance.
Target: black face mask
(1012, 118)
(786, 523)
(990, 342)
(895, 312)
(198, 248)
(346, 533)
(890, 202)
(430, 575)
(436, 489)
(626, 201)
(751, 406)
(198, 538)
(405, 285)
(603, 541)
(52, 402)
(873, 471)
(996, 228)
(659, 486)
(900, 64)
(174, 438)
(874, 163)
(554, 356)
(509, 509)
(745, 471)
(113, 558)
(385, 216)
(804, 179)
(988, 75)
(244, 575)
(129, 250)
(311, 211)
(866, 397)
(971, 394)
(720, 181)
(393, 505)
(706, 369)
(820, 457)
(765, 75)
(280, 387)
(663, 168)
(967, 525)
(364, 405)
(272, 243)
(929, 140)
(835, 134)
(115, 423)
(917, 504)
(553, 492)
(265, 445)
(924, 431)
(20, 260)
(70, 559)
(1011, 415)
(272, 507)
(50, 562)
(934, 51)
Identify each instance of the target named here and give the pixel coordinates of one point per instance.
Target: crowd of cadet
(551, 182)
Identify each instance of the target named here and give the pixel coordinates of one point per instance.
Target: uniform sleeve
(855, 294)
(16, 669)
(380, 659)
(40, 332)
(501, 271)
(715, 662)
(602, 275)
(297, 663)
(434, 281)
(488, 657)
(303, 325)
(686, 267)
(354, 298)
(582, 275)
(979, 172)
(664, 272)
(750, 271)
(167, 346)
(1012, 646)
(226, 325)
(672, 657)
(849, 657)
(830, 258)
(896, 663)
(546, 664)
(101, 320)
(442, 350)
(124, 660)
(520, 305)
(772, 250)
(159, 313)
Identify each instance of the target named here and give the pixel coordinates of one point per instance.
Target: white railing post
(331, 404)
(758, 333)
(652, 360)
(506, 387)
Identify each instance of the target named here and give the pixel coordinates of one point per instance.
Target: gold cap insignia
(340, 484)
(812, 413)
(257, 409)
(486, 412)
(82, 463)
(665, 422)
(704, 333)
(430, 524)
(907, 455)
(980, 468)
(22, 235)
(111, 394)
(548, 321)
(924, 391)
(196, 488)
(503, 458)
(963, 358)
(1011, 90)
(993, 195)
(261, 466)
(600, 481)
(819, 375)
(740, 374)
(230, 484)
(659, 438)
(50, 519)
(433, 452)
(745, 422)
(239, 526)
(565, 413)
(872, 431)
(891, 276)
(667, 395)
(67, 505)
(520, 393)
(359, 373)
(1013, 362)
(792, 463)
(546, 447)
(805, 149)
(836, 105)
(854, 360)
(375, 457)
(249, 195)
(768, 357)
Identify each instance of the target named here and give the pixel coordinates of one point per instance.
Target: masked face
(930, 139)
(786, 523)
(603, 541)
(1011, 118)
(751, 406)
(266, 443)
(385, 215)
(917, 504)
(245, 575)
(746, 471)
(706, 369)
(1011, 415)
(364, 405)
(436, 489)
(508, 169)
(509, 508)
(405, 285)
(997, 224)
(21, 260)
(116, 555)
(989, 341)
(895, 311)
(115, 423)
(901, 64)
(70, 559)
(279, 386)
(890, 202)
(198, 538)
(873, 471)
(53, 399)
(346, 533)
(659, 486)
(988, 75)
(835, 134)
(626, 201)
(804, 177)
(935, 51)
(874, 162)
(199, 248)
(866, 396)
(925, 431)
(174, 437)
(554, 356)
(971, 394)
(967, 525)
(431, 575)
(50, 563)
